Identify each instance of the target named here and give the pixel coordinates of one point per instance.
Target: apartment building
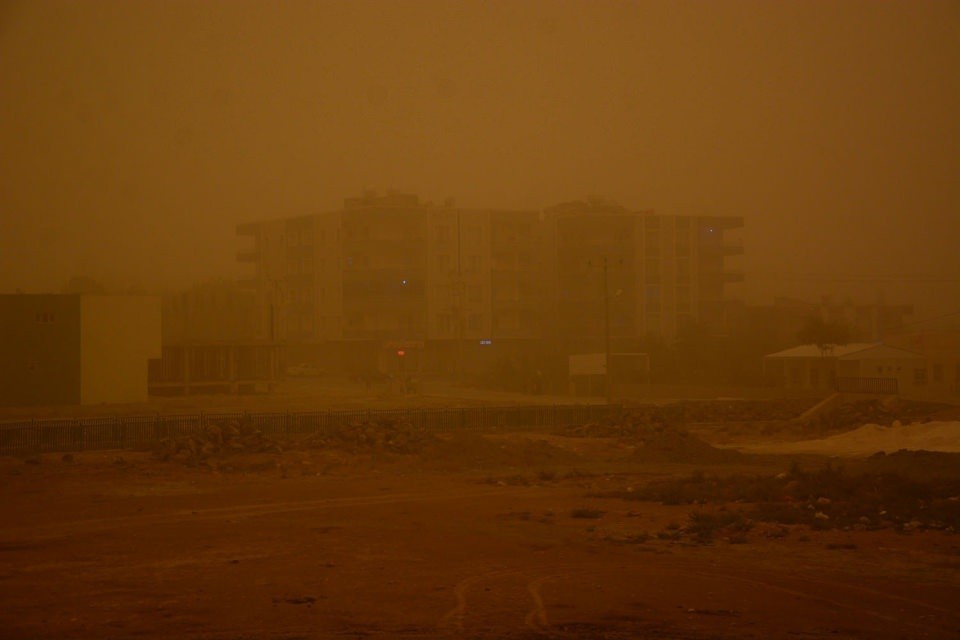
(628, 275)
(458, 290)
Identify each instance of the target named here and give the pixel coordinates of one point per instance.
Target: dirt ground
(474, 537)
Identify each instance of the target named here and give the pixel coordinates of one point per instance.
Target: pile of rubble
(394, 436)
(215, 440)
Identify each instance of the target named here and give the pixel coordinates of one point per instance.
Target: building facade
(465, 290)
(76, 349)
(212, 343)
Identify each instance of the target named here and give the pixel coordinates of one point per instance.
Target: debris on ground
(472, 450)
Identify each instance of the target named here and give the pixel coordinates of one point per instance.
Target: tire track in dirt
(536, 619)
(460, 590)
(79, 527)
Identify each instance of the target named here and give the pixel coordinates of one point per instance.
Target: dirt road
(103, 548)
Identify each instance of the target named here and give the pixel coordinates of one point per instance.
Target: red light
(401, 352)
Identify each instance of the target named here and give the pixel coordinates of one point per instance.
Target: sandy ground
(322, 544)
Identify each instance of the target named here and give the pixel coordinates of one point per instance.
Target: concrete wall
(118, 335)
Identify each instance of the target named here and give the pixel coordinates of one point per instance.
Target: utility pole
(608, 378)
(460, 299)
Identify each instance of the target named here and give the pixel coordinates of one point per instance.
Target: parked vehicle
(303, 370)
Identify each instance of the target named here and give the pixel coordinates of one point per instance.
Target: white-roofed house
(862, 367)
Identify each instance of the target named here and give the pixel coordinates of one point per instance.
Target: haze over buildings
(134, 136)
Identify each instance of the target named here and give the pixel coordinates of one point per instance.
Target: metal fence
(885, 386)
(127, 432)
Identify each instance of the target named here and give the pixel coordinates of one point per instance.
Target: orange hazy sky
(135, 135)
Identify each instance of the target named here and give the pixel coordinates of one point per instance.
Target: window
(652, 245)
(652, 271)
(474, 322)
(653, 297)
(683, 299)
(475, 263)
(474, 293)
(45, 317)
(920, 377)
(443, 322)
(937, 373)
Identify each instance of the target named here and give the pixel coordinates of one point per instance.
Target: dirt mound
(660, 443)
(471, 450)
(745, 410)
(826, 498)
(870, 439)
(655, 438)
(874, 411)
(915, 464)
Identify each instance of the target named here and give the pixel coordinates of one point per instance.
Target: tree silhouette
(82, 284)
(824, 334)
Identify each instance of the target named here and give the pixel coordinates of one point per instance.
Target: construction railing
(883, 386)
(127, 432)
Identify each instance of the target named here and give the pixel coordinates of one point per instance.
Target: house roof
(813, 351)
(852, 351)
(881, 352)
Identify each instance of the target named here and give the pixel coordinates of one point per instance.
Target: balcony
(732, 247)
(248, 284)
(248, 229)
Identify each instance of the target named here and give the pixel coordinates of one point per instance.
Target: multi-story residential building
(628, 275)
(460, 289)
